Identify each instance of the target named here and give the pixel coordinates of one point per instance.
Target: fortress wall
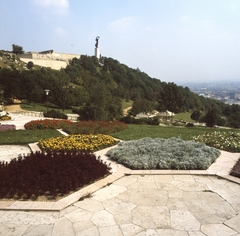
(54, 64)
(54, 60)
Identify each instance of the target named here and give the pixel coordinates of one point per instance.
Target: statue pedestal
(97, 53)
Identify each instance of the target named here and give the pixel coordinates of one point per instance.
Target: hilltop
(96, 90)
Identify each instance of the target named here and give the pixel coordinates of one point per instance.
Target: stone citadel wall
(48, 58)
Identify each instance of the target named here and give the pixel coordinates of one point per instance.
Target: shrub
(228, 141)
(158, 153)
(55, 114)
(51, 173)
(236, 169)
(80, 142)
(46, 124)
(7, 127)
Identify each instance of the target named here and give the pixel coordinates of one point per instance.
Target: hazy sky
(172, 40)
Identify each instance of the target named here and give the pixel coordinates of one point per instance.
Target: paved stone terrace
(181, 203)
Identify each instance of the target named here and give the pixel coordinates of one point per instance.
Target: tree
(30, 65)
(196, 115)
(170, 98)
(211, 117)
(17, 49)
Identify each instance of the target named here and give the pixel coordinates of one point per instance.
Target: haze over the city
(172, 40)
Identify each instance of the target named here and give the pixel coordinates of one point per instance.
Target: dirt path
(13, 108)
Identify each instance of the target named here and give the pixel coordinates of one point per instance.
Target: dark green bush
(55, 114)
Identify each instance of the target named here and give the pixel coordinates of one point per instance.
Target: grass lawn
(186, 116)
(22, 137)
(141, 131)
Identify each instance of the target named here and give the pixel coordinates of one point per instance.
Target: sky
(171, 40)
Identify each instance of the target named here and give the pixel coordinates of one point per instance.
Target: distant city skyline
(174, 41)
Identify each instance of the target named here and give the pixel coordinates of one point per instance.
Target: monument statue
(96, 44)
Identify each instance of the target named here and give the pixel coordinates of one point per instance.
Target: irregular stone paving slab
(166, 186)
(126, 181)
(171, 232)
(131, 229)
(85, 228)
(148, 197)
(78, 215)
(33, 218)
(111, 230)
(45, 230)
(13, 229)
(123, 218)
(192, 187)
(185, 178)
(117, 206)
(103, 218)
(177, 204)
(208, 207)
(151, 217)
(234, 223)
(203, 179)
(232, 197)
(197, 233)
(148, 232)
(90, 204)
(184, 220)
(108, 192)
(63, 227)
(217, 230)
(175, 193)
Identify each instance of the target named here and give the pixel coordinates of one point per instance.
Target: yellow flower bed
(5, 117)
(81, 142)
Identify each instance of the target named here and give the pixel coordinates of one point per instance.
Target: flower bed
(158, 153)
(51, 174)
(5, 117)
(7, 127)
(228, 141)
(80, 127)
(46, 124)
(80, 142)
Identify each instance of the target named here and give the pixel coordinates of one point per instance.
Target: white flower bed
(158, 153)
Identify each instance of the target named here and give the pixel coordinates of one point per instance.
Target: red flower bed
(80, 127)
(95, 127)
(46, 124)
(52, 174)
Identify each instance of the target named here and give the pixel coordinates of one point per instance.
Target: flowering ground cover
(159, 153)
(49, 174)
(79, 142)
(227, 141)
(7, 127)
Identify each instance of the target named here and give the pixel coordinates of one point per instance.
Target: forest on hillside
(96, 90)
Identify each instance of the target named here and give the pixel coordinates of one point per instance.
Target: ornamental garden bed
(49, 175)
(158, 153)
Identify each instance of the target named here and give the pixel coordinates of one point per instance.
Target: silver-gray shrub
(159, 153)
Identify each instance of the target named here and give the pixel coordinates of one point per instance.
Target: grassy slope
(141, 131)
